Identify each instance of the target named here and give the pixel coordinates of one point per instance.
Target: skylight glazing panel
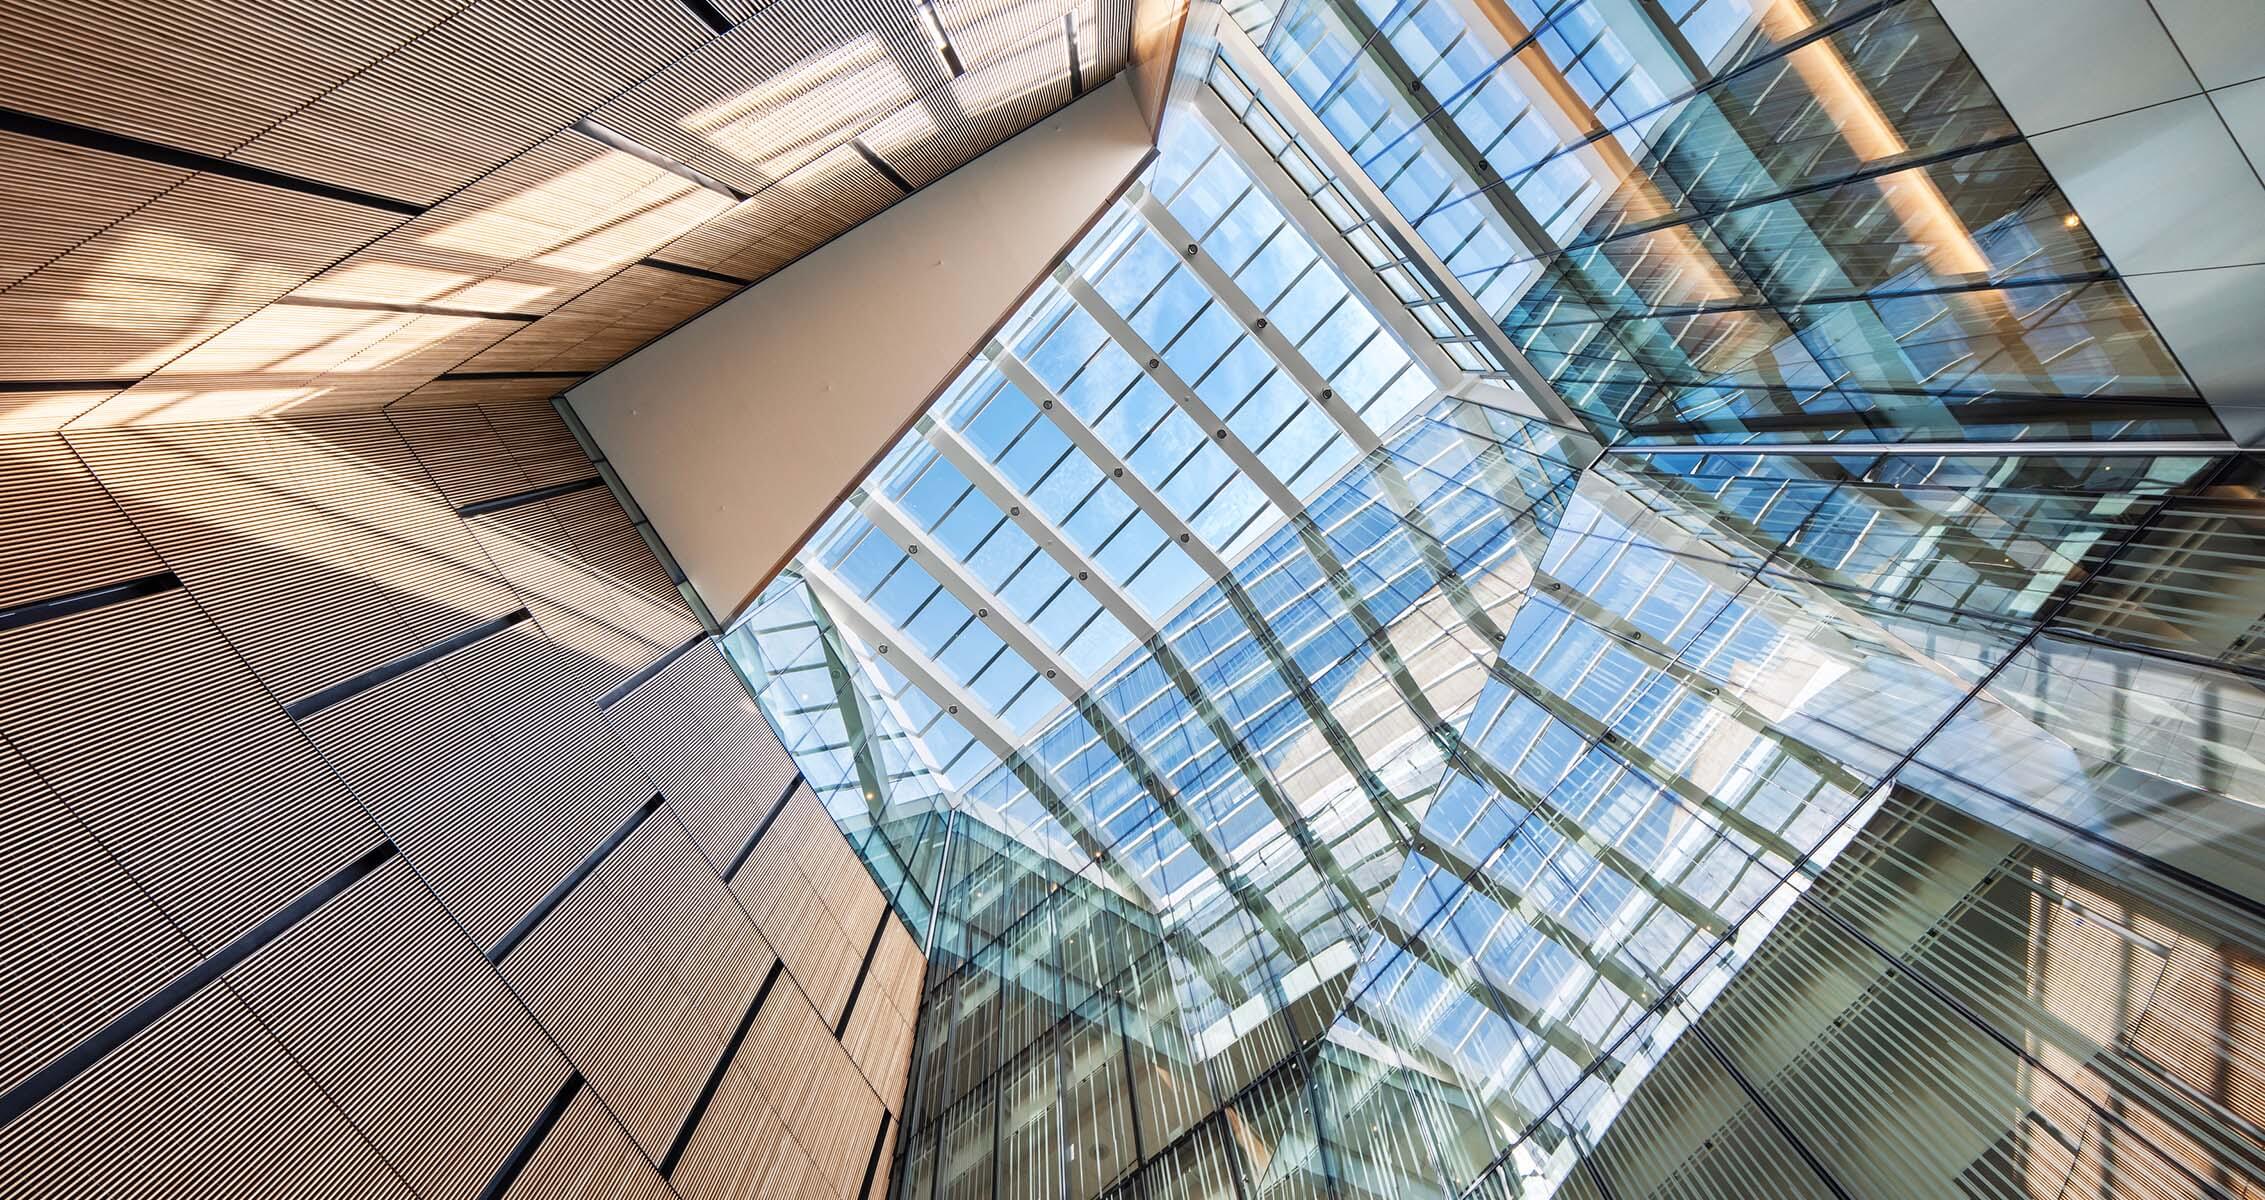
(1281, 272)
(1004, 560)
(913, 603)
(1066, 487)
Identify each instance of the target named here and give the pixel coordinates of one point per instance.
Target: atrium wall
(1821, 764)
(379, 817)
(381, 823)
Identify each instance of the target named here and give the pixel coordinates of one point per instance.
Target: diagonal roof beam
(1208, 560)
(1035, 524)
(856, 617)
(894, 524)
(1283, 102)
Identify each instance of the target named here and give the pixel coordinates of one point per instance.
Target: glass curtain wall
(1832, 771)
(1759, 221)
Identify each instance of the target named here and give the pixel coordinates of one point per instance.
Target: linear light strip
(612, 140)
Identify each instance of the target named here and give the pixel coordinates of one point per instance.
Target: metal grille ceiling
(232, 210)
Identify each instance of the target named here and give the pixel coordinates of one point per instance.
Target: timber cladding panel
(382, 824)
(221, 209)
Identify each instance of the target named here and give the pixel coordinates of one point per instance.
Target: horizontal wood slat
(710, 749)
(642, 973)
(79, 955)
(486, 771)
(154, 284)
(146, 722)
(55, 196)
(319, 545)
(526, 237)
(121, 1131)
(175, 173)
(585, 1157)
(490, 81)
(207, 75)
(54, 501)
(392, 1009)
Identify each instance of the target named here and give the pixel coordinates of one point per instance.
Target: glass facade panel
(1823, 763)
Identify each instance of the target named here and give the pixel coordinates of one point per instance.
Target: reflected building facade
(1603, 598)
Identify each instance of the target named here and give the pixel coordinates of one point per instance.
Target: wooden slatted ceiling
(249, 1099)
(525, 238)
(778, 224)
(167, 805)
(151, 286)
(62, 195)
(494, 79)
(827, 69)
(145, 289)
(602, 325)
(78, 955)
(384, 998)
(206, 75)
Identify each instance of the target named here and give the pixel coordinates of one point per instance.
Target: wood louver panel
(181, 268)
(492, 80)
(527, 237)
(205, 75)
(648, 1016)
(782, 222)
(537, 439)
(428, 928)
(52, 496)
(45, 410)
(775, 93)
(257, 209)
(459, 450)
(786, 906)
(585, 1157)
(812, 1084)
(76, 956)
(383, 997)
(54, 196)
(493, 390)
(602, 325)
(717, 763)
(487, 770)
(744, 1148)
(123, 711)
(377, 565)
(250, 1098)
(302, 360)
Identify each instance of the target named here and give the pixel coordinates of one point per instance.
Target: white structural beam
(1182, 394)
(1252, 65)
(858, 619)
(896, 525)
(1268, 174)
(1082, 435)
(996, 488)
(1237, 304)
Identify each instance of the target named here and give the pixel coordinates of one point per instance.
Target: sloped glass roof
(1423, 610)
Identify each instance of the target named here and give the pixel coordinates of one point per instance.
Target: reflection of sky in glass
(1461, 785)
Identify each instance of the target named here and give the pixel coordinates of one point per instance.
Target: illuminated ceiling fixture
(613, 140)
(942, 40)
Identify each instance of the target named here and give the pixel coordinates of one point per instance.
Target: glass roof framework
(1031, 598)
(1460, 808)
(1737, 221)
